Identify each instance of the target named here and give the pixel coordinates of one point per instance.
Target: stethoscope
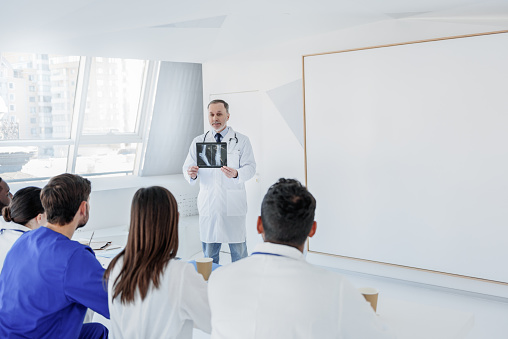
(229, 150)
(10, 229)
(267, 253)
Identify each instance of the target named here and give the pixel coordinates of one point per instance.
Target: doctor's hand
(229, 172)
(192, 171)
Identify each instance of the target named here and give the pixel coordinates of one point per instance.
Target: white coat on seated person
(275, 293)
(23, 214)
(267, 296)
(171, 311)
(151, 294)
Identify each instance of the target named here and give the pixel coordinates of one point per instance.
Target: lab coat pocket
(234, 159)
(237, 203)
(203, 203)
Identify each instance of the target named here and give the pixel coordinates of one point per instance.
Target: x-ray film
(211, 154)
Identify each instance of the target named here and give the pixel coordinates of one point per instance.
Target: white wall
(281, 154)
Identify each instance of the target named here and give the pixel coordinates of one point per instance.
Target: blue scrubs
(47, 283)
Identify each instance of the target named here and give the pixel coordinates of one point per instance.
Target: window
(122, 92)
(110, 122)
(12, 108)
(105, 158)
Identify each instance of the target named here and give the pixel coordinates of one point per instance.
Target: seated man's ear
(83, 207)
(313, 230)
(259, 227)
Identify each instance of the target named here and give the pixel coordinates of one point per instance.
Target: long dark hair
(152, 242)
(25, 205)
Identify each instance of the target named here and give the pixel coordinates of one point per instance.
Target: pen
(104, 247)
(90, 242)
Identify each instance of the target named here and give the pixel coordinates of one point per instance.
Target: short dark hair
(63, 195)
(287, 212)
(25, 205)
(219, 101)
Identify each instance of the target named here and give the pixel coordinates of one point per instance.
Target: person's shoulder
(199, 138)
(241, 135)
(115, 270)
(179, 272)
(324, 274)
(180, 265)
(240, 268)
(72, 246)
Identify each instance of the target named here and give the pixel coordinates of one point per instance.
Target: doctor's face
(218, 116)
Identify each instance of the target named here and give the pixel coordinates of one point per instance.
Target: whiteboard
(407, 154)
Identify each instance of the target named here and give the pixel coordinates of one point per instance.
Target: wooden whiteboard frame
(305, 153)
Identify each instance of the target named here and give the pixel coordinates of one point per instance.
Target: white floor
(490, 314)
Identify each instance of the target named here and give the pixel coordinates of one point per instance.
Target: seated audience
(5, 194)
(48, 281)
(275, 293)
(151, 294)
(25, 213)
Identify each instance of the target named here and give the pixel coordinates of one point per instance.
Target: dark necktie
(218, 136)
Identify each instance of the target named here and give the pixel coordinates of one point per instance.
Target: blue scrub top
(47, 283)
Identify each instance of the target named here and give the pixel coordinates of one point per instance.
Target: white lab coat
(8, 237)
(222, 201)
(170, 312)
(267, 296)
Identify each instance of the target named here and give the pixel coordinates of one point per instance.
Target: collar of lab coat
(14, 226)
(230, 133)
(284, 250)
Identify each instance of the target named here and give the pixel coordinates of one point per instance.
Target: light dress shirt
(277, 294)
(171, 311)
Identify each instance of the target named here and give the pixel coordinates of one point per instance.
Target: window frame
(77, 138)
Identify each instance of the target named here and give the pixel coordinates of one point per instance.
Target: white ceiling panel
(202, 30)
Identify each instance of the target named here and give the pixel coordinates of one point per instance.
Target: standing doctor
(222, 201)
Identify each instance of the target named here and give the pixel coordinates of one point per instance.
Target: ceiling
(204, 30)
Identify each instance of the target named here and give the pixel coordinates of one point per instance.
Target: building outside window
(108, 124)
